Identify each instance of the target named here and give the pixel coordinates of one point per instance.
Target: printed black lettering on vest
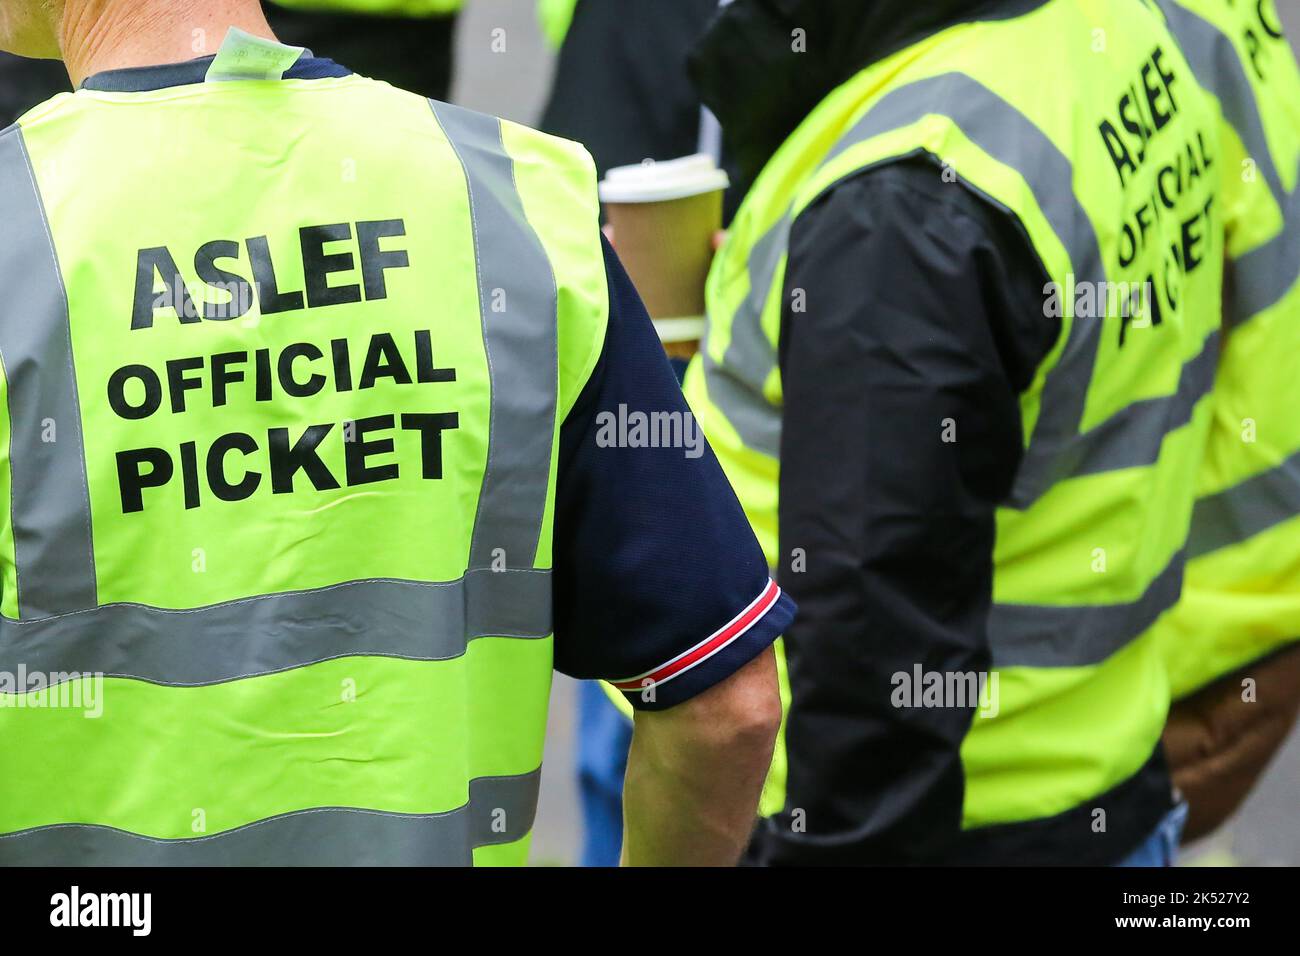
(342, 264)
(328, 253)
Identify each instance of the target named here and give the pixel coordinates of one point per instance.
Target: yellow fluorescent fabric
(556, 16)
(183, 213)
(1241, 598)
(328, 302)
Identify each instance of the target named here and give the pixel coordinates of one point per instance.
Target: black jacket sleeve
(914, 318)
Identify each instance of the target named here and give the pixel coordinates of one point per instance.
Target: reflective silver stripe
(50, 503)
(1261, 278)
(500, 810)
(1035, 635)
(521, 342)
(736, 385)
(276, 632)
(1246, 509)
(1133, 436)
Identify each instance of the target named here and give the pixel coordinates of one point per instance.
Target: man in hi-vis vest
(959, 358)
(329, 429)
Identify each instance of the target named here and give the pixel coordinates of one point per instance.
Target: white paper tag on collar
(245, 57)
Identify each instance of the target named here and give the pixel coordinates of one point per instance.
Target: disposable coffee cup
(664, 216)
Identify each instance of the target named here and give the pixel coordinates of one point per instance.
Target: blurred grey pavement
(504, 67)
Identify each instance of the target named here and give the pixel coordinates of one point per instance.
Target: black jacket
(923, 304)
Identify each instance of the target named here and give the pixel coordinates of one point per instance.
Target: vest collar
(142, 79)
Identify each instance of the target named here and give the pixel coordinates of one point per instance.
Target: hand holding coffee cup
(667, 217)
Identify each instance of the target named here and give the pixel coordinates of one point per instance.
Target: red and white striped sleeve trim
(715, 642)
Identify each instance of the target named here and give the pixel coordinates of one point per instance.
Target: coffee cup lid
(663, 181)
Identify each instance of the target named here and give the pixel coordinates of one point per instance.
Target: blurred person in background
(409, 43)
(1231, 643)
(621, 89)
(974, 475)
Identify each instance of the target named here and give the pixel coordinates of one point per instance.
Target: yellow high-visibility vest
(279, 427)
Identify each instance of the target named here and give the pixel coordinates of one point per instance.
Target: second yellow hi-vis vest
(386, 8)
(1084, 122)
(1241, 597)
(284, 363)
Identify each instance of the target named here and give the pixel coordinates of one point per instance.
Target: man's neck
(98, 35)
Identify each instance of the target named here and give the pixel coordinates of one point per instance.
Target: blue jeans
(1161, 847)
(604, 736)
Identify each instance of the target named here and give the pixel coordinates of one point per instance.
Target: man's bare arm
(696, 771)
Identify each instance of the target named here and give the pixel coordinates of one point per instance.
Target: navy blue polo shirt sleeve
(660, 586)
